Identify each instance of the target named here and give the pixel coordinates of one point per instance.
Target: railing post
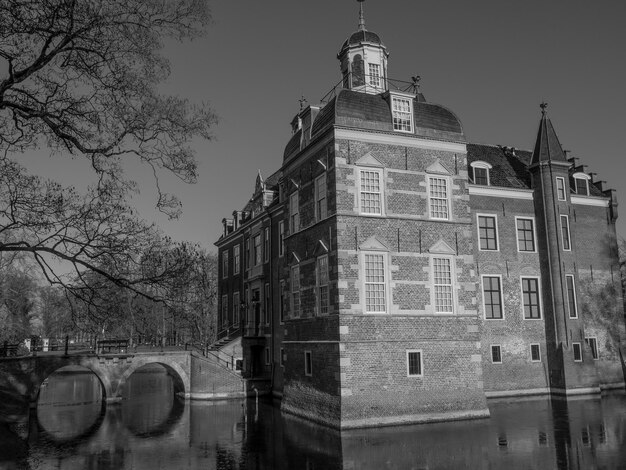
(67, 340)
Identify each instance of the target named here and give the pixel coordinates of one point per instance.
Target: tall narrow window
(560, 188)
(571, 296)
(442, 285)
(567, 246)
(371, 193)
(374, 75)
(267, 356)
(247, 254)
(282, 357)
(438, 198)
(320, 197)
(236, 309)
(266, 244)
(525, 235)
(236, 259)
(402, 111)
(267, 309)
(535, 353)
(295, 291)
(281, 238)
(224, 318)
(530, 298)
(492, 295)
(487, 233)
(578, 352)
(294, 213)
(375, 288)
(496, 354)
(414, 363)
(322, 284)
(281, 301)
(257, 249)
(308, 363)
(225, 263)
(593, 345)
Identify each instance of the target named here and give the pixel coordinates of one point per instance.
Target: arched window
(581, 184)
(358, 71)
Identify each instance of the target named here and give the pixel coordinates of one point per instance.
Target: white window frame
(374, 74)
(294, 212)
(538, 350)
(569, 310)
(281, 238)
(266, 244)
(385, 283)
(257, 250)
(225, 263)
(295, 275)
(431, 197)
(236, 308)
(569, 232)
(532, 220)
(452, 284)
(484, 166)
(400, 115)
(491, 346)
(380, 193)
(580, 351)
(594, 350)
(539, 295)
(321, 197)
(561, 192)
(421, 362)
(319, 286)
(497, 235)
(308, 364)
(236, 259)
(482, 285)
(581, 176)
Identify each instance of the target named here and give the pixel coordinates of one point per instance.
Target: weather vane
(302, 101)
(543, 107)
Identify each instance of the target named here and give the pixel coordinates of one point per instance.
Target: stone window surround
(321, 208)
(538, 349)
(577, 350)
(534, 231)
(495, 227)
(395, 97)
(500, 288)
(362, 262)
(571, 296)
(319, 286)
(566, 233)
(448, 198)
(236, 258)
(493, 348)
(539, 299)
(420, 356)
(381, 191)
(561, 188)
(453, 276)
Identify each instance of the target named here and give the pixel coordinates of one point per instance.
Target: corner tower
(363, 59)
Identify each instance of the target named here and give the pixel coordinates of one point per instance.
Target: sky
(491, 61)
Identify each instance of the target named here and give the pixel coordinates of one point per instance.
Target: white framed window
(565, 234)
(592, 342)
(526, 234)
(225, 263)
(321, 273)
(578, 352)
(402, 113)
(266, 244)
(281, 302)
(267, 309)
(294, 212)
(438, 198)
(281, 238)
(414, 365)
(236, 258)
(224, 321)
(256, 248)
(560, 188)
(375, 279)
(267, 357)
(308, 364)
(531, 298)
(572, 303)
(581, 184)
(487, 232)
(481, 172)
(443, 287)
(496, 354)
(321, 209)
(535, 352)
(492, 297)
(374, 74)
(295, 291)
(370, 192)
(236, 308)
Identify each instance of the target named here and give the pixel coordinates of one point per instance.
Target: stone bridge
(195, 376)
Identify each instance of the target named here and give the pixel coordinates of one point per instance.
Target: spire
(361, 16)
(547, 147)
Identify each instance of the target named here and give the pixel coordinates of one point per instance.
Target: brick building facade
(390, 271)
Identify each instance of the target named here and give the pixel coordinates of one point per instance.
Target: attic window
(581, 184)
(402, 112)
(480, 172)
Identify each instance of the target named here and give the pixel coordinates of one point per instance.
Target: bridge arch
(51, 369)
(182, 381)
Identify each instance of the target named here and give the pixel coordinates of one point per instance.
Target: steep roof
(547, 145)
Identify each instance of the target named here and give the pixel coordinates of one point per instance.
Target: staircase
(219, 344)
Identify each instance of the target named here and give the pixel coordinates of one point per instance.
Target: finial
(543, 107)
(416, 83)
(302, 101)
(361, 16)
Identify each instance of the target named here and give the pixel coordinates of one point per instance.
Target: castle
(391, 271)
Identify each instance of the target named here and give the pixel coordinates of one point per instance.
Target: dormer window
(402, 112)
(480, 172)
(581, 184)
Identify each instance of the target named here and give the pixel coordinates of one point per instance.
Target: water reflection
(152, 429)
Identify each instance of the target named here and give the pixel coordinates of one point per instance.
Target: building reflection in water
(152, 429)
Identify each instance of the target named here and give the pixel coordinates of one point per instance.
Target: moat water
(152, 429)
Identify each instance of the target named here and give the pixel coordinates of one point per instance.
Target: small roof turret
(547, 147)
